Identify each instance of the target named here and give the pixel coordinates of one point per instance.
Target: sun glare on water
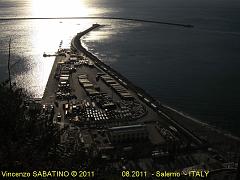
(59, 8)
(44, 35)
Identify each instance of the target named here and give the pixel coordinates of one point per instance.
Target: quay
(76, 46)
(103, 115)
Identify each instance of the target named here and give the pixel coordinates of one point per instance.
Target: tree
(11, 119)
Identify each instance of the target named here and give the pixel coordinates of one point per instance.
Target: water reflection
(58, 8)
(44, 36)
(39, 36)
(108, 33)
(62, 8)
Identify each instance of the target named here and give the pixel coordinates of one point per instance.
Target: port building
(128, 133)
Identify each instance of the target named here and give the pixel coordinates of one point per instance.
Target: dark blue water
(193, 70)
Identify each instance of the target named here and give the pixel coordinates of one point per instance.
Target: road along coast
(200, 132)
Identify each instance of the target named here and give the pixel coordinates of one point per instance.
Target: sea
(193, 70)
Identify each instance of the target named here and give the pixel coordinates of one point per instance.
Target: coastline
(224, 132)
(212, 136)
(185, 115)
